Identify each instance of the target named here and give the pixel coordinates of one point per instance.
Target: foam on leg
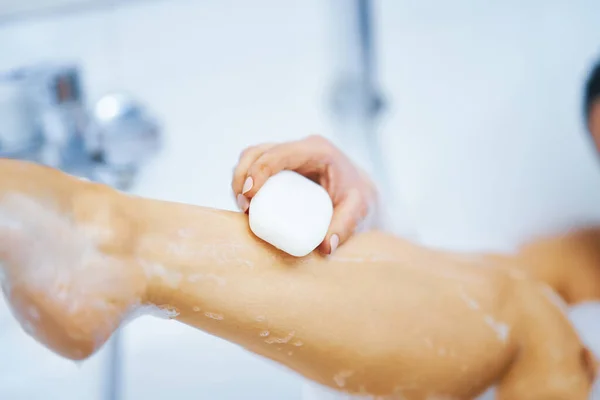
(61, 288)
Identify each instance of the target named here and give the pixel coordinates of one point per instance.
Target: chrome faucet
(45, 119)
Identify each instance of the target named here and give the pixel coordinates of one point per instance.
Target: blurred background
(469, 114)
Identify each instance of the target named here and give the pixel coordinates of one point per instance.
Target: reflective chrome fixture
(45, 119)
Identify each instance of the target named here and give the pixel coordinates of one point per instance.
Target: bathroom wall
(482, 134)
(485, 120)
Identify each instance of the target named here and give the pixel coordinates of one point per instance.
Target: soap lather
(291, 213)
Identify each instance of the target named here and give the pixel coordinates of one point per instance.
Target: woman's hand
(352, 192)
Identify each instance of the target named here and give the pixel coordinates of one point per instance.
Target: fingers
(311, 157)
(300, 156)
(247, 158)
(307, 156)
(346, 217)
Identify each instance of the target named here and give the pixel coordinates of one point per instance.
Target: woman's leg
(381, 317)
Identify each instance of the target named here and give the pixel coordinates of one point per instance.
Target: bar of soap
(291, 213)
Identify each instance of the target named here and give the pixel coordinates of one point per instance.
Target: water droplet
(34, 313)
(214, 316)
(340, 378)
(170, 311)
(195, 277)
(184, 233)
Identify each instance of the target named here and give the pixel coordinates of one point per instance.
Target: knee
(98, 213)
(64, 287)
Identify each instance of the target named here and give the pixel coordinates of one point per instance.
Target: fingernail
(242, 202)
(334, 241)
(248, 183)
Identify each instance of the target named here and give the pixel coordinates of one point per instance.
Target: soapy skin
(381, 317)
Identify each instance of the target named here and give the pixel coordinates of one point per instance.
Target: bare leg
(383, 317)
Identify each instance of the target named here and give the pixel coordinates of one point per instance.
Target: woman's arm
(569, 263)
(381, 316)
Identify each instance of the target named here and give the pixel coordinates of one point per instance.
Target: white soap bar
(291, 213)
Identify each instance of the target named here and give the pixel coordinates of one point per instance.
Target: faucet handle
(122, 136)
(43, 106)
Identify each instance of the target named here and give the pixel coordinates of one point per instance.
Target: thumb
(346, 217)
